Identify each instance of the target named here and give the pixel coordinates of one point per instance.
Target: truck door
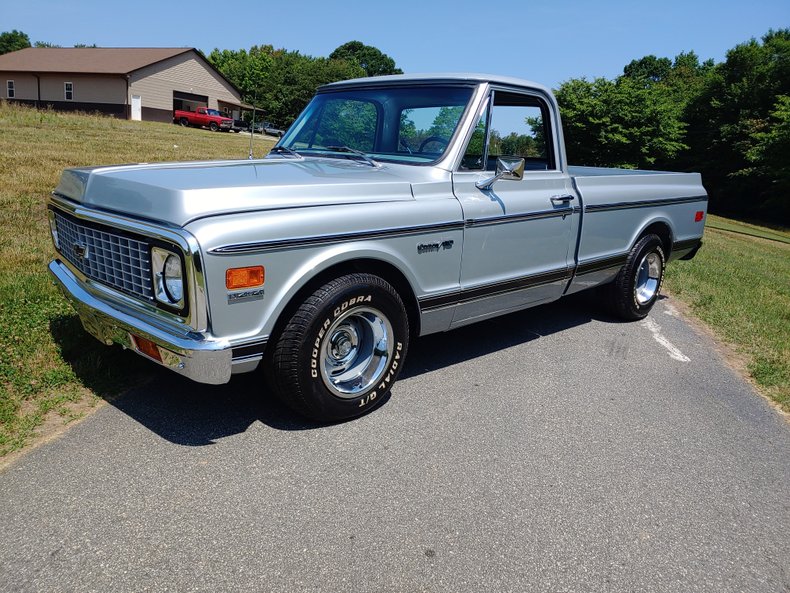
(517, 233)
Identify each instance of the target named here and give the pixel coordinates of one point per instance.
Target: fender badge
(247, 295)
(434, 247)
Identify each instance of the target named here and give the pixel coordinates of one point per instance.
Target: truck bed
(633, 200)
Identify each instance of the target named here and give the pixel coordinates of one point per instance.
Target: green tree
(45, 44)
(346, 122)
(246, 69)
(279, 81)
(369, 58)
(293, 78)
(516, 144)
(770, 155)
(444, 123)
(649, 69)
(620, 123)
(731, 122)
(13, 41)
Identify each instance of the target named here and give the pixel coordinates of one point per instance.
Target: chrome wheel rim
(648, 277)
(356, 351)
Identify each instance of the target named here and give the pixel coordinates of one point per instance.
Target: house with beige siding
(141, 83)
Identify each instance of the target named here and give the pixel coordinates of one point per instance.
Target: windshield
(213, 112)
(406, 125)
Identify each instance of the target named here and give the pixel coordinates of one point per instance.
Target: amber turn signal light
(147, 347)
(244, 277)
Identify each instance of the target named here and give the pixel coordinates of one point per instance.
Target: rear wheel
(184, 122)
(342, 350)
(636, 287)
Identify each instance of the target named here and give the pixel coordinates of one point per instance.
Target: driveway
(549, 450)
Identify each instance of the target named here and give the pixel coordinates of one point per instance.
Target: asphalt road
(550, 450)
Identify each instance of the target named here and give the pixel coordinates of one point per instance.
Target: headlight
(174, 281)
(168, 277)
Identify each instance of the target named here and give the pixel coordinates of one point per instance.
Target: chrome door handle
(561, 199)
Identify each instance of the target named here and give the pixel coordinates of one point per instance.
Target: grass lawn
(42, 346)
(739, 283)
(745, 228)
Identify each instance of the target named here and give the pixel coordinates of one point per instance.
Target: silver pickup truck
(393, 207)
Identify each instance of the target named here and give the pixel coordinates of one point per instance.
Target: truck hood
(178, 193)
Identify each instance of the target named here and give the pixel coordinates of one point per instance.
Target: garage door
(188, 101)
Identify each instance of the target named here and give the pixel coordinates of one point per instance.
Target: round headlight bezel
(169, 278)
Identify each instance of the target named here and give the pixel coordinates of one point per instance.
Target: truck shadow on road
(191, 414)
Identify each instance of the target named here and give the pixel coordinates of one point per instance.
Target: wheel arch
(663, 229)
(366, 263)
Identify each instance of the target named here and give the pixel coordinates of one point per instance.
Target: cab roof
(438, 78)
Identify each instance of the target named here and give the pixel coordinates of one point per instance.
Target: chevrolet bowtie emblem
(80, 250)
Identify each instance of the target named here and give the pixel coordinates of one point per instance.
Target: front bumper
(187, 353)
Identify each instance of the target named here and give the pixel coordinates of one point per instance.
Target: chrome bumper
(187, 353)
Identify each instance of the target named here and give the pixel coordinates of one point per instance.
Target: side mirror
(506, 168)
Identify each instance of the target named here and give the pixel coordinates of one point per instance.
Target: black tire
(212, 125)
(184, 122)
(637, 285)
(330, 362)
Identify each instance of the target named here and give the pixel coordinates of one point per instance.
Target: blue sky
(547, 41)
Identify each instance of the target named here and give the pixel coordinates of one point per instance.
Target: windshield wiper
(285, 150)
(355, 152)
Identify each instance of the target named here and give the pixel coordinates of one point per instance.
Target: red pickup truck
(203, 117)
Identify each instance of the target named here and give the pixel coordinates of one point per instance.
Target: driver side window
(518, 127)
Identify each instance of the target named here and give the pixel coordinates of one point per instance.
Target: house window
(69, 88)
(10, 90)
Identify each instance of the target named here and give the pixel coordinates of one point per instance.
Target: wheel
(342, 350)
(438, 139)
(184, 122)
(636, 287)
(212, 125)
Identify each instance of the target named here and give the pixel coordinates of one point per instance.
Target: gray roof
(439, 77)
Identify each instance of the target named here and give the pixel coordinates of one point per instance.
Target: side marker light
(244, 277)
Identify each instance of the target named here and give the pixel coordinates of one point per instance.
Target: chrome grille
(119, 261)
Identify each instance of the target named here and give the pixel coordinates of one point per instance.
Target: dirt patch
(55, 423)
